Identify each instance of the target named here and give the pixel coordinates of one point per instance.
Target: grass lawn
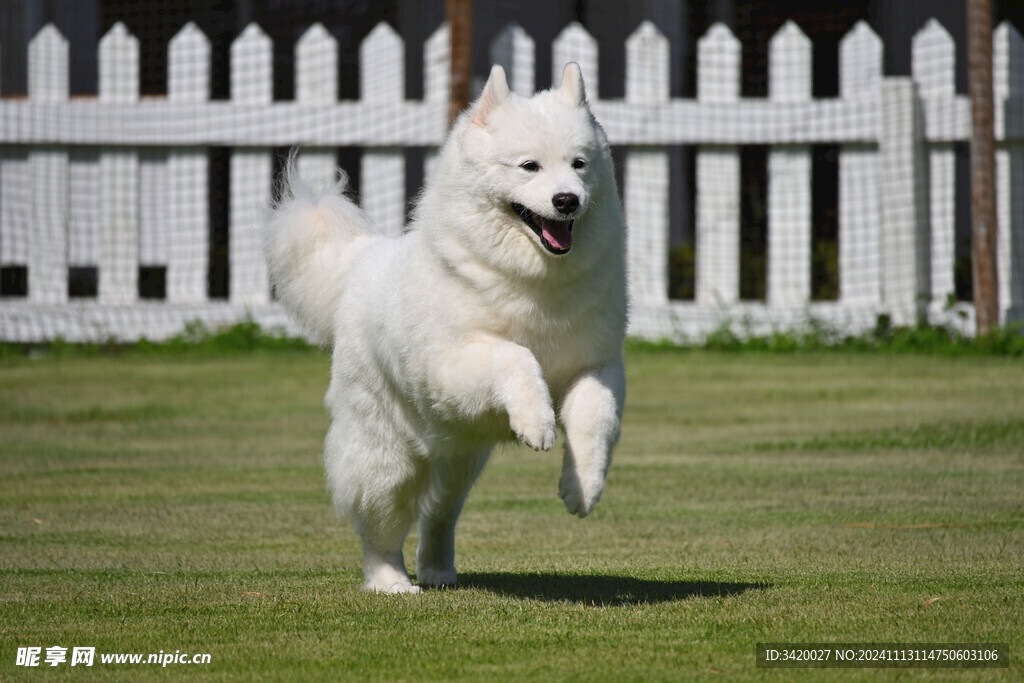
(175, 502)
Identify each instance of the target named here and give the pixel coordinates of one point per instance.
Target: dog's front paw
(528, 402)
(579, 497)
(534, 427)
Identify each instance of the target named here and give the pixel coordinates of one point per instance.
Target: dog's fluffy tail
(310, 239)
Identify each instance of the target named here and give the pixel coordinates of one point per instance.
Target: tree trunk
(461, 25)
(983, 190)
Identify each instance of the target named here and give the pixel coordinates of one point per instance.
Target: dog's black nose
(565, 202)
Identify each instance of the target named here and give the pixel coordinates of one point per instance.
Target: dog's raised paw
(537, 430)
(530, 414)
(532, 418)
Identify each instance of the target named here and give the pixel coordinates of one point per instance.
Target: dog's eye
(531, 166)
(578, 163)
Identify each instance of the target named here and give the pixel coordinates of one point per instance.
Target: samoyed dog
(499, 314)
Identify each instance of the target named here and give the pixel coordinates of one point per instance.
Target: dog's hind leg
(384, 571)
(591, 412)
(382, 521)
(450, 481)
(378, 487)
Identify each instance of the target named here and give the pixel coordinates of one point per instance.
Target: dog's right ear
(495, 94)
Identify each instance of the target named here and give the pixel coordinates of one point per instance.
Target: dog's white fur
(466, 330)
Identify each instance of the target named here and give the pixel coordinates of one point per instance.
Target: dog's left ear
(572, 84)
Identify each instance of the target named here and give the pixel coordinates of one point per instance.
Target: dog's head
(539, 161)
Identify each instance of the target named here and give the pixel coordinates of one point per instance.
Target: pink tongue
(556, 233)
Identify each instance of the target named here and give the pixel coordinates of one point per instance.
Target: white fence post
(316, 82)
(904, 203)
(15, 207)
(789, 177)
(718, 176)
(382, 81)
(647, 171)
(436, 79)
(574, 44)
(436, 66)
(188, 227)
(1008, 87)
(251, 169)
(48, 83)
(933, 64)
(119, 173)
(84, 221)
(154, 240)
(513, 49)
(860, 214)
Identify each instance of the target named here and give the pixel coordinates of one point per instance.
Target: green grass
(162, 501)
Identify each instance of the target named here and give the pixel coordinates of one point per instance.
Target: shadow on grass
(598, 590)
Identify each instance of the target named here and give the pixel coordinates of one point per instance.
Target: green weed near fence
(174, 502)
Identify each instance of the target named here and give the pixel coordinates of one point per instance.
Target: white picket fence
(118, 181)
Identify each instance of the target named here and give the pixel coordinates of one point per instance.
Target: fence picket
(718, 176)
(4, 228)
(84, 221)
(933, 61)
(860, 76)
(382, 178)
(316, 82)
(574, 44)
(1008, 87)
(48, 82)
(904, 203)
(188, 80)
(789, 177)
(119, 171)
(647, 172)
(514, 50)
(154, 217)
(437, 65)
(15, 207)
(188, 65)
(252, 67)
(436, 80)
(48, 75)
(119, 66)
(933, 64)
(252, 79)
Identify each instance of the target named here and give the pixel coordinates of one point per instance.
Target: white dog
(504, 302)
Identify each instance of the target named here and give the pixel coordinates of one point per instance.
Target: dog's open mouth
(556, 236)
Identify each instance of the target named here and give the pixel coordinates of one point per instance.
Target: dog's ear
(572, 84)
(495, 94)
